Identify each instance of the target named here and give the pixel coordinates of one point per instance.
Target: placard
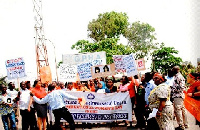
(68, 73)
(15, 68)
(75, 59)
(103, 70)
(140, 64)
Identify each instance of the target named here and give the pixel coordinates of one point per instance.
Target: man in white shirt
(55, 98)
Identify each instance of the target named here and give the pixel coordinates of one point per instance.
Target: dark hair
(97, 69)
(196, 75)
(148, 76)
(51, 87)
(9, 85)
(35, 82)
(135, 76)
(21, 83)
(126, 79)
(106, 67)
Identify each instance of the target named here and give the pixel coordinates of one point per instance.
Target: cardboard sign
(103, 70)
(68, 73)
(125, 63)
(15, 68)
(75, 59)
(45, 74)
(140, 64)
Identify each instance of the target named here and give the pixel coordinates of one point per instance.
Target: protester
(149, 86)
(192, 100)
(140, 104)
(41, 109)
(101, 88)
(91, 85)
(110, 85)
(56, 102)
(6, 109)
(159, 98)
(26, 111)
(13, 94)
(178, 97)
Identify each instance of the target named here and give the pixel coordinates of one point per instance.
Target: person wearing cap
(55, 98)
(178, 96)
(6, 109)
(159, 98)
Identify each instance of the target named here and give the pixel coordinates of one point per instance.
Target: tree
(141, 38)
(108, 25)
(3, 80)
(164, 59)
(109, 45)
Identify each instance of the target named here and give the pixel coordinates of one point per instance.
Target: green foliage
(164, 59)
(3, 81)
(109, 45)
(108, 25)
(141, 38)
(187, 68)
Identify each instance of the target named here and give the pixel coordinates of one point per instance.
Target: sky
(65, 22)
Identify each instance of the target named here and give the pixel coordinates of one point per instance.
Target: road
(191, 121)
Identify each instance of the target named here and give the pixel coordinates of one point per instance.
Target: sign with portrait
(140, 64)
(103, 70)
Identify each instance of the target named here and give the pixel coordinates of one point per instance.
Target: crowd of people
(152, 90)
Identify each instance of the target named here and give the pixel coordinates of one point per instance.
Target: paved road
(191, 120)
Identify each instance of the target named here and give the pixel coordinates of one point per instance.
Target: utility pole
(40, 45)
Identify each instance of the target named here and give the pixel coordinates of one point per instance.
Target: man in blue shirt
(56, 101)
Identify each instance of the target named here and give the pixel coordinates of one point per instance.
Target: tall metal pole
(40, 46)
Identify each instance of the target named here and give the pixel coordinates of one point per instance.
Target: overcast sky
(65, 22)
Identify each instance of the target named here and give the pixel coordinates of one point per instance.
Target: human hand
(189, 94)
(29, 108)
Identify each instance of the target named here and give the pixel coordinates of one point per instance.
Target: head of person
(37, 83)
(100, 85)
(51, 87)
(192, 77)
(176, 69)
(148, 76)
(158, 78)
(3, 88)
(23, 85)
(69, 85)
(28, 84)
(11, 86)
(125, 80)
(109, 83)
(170, 73)
(135, 76)
(143, 78)
(61, 84)
(79, 85)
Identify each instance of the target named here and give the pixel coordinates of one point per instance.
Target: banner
(45, 74)
(15, 68)
(84, 69)
(75, 59)
(100, 107)
(103, 70)
(140, 64)
(125, 63)
(68, 73)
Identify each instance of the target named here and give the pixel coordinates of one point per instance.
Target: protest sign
(100, 107)
(103, 70)
(119, 64)
(75, 59)
(84, 69)
(68, 73)
(140, 64)
(45, 74)
(125, 63)
(15, 68)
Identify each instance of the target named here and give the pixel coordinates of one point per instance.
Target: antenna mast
(40, 45)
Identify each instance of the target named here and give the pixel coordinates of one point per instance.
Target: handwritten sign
(15, 68)
(75, 59)
(140, 64)
(103, 70)
(100, 107)
(125, 63)
(84, 69)
(68, 73)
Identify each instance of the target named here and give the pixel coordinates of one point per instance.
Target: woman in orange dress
(41, 109)
(192, 97)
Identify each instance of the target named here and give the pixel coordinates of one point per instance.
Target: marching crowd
(150, 91)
